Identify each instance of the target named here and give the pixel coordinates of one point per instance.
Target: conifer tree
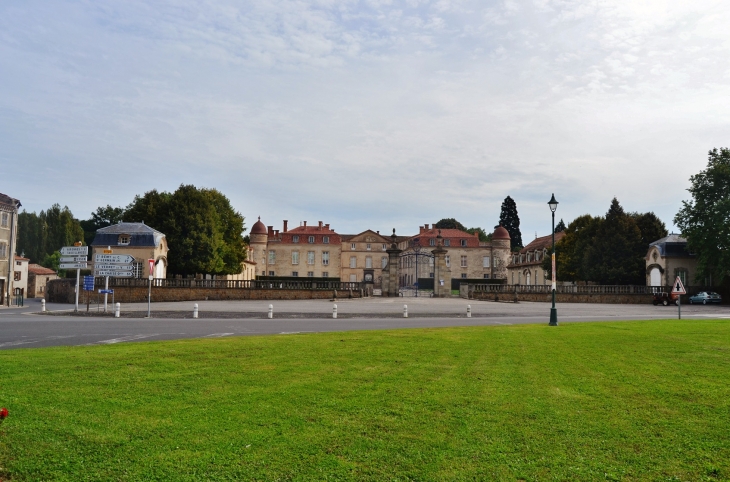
(510, 220)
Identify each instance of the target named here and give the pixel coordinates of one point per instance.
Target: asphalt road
(21, 328)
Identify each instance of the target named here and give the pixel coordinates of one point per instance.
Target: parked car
(664, 298)
(705, 297)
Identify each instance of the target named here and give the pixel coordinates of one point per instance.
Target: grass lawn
(585, 401)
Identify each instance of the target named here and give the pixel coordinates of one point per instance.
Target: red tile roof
(39, 270)
(543, 242)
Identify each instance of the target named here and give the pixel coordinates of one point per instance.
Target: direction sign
(113, 258)
(73, 266)
(88, 283)
(73, 259)
(106, 292)
(118, 267)
(678, 287)
(74, 251)
(114, 273)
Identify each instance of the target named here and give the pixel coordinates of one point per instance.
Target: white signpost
(115, 265)
(74, 257)
(679, 290)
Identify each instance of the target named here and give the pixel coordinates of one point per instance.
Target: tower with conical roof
(259, 238)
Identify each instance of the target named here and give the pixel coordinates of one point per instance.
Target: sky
(365, 114)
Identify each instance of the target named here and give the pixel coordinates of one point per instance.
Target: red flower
(3, 413)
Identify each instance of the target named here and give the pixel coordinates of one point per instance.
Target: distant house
(38, 277)
(525, 267)
(20, 275)
(135, 239)
(668, 258)
(8, 235)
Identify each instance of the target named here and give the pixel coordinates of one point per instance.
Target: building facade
(668, 258)
(135, 239)
(363, 256)
(525, 267)
(38, 277)
(8, 236)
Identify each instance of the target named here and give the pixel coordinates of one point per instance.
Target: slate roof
(140, 235)
(672, 245)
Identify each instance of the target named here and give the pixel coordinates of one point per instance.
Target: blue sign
(106, 292)
(88, 283)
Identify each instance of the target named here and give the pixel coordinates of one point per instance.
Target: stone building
(363, 256)
(466, 256)
(525, 267)
(305, 251)
(8, 236)
(20, 275)
(38, 277)
(135, 239)
(668, 258)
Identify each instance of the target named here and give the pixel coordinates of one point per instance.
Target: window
(123, 239)
(448, 260)
(326, 239)
(272, 257)
(537, 255)
(295, 239)
(325, 274)
(17, 275)
(352, 246)
(353, 262)
(369, 262)
(18, 263)
(485, 262)
(368, 247)
(310, 257)
(432, 242)
(682, 273)
(137, 270)
(447, 242)
(486, 276)
(463, 275)
(271, 273)
(353, 278)
(311, 240)
(310, 274)
(385, 246)
(5, 220)
(463, 242)
(325, 258)
(295, 273)
(463, 261)
(383, 262)
(431, 275)
(295, 257)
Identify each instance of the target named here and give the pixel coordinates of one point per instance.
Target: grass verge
(584, 401)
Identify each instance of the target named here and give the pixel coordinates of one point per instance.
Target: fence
(569, 289)
(232, 284)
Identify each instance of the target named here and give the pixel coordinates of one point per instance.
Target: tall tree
(61, 227)
(560, 227)
(103, 216)
(483, 235)
(652, 228)
(705, 219)
(449, 223)
(32, 236)
(571, 249)
(151, 208)
(510, 220)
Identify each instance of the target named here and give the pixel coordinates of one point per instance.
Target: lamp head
(553, 203)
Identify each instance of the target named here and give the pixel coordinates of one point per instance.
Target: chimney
(271, 230)
(305, 224)
(276, 233)
(320, 225)
(285, 226)
(326, 226)
(378, 232)
(426, 226)
(421, 229)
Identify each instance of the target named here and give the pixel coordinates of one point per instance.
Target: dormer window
(447, 242)
(326, 239)
(432, 242)
(463, 242)
(123, 239)
(295, 239)
(311, 240)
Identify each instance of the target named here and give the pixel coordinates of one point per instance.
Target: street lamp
(553, 312)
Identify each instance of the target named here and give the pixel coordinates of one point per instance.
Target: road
(23, 328)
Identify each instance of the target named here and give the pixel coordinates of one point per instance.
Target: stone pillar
(441, 272)
(392, 270)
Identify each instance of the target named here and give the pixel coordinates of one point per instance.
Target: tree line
(203, 230)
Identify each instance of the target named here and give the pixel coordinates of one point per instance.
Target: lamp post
(553, 312)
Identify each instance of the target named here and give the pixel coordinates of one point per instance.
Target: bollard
(43, 306)
(195, 310)
(334, 310)
(468, 311)
(117, 310)
(271, 311)
(405, 311)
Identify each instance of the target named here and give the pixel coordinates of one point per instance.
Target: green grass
(588, 401)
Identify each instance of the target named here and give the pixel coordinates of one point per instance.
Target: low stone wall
(62, 291)
(637, 299)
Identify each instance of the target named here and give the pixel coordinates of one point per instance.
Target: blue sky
(364, 114)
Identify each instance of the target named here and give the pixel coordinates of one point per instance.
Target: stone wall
(62, 291)
(637, 299)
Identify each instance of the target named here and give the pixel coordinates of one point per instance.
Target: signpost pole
(78, 276)
(679, 306)
(106, 288)
(149, 297)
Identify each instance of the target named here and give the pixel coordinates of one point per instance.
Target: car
(664, 298)
(705, 297)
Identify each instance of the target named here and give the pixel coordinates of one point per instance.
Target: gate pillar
(441, 272)
(392, 270)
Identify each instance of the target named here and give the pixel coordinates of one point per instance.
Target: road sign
(114, 273)
(88, 283)
(117, 267)
(106, 292)
(113, 258)
(73, 266)
(678, 287)
(108, 251)
(73, 259)
(75, 251)
(152, 268)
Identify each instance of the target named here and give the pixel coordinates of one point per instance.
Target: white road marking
(122, 339)
(217, 335)
(16, 343)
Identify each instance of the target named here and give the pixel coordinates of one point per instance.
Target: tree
(31, 236)
(61, 227)
(510, 220)
(560, 227)
(103, 216)
(483, 236)
(449, 223)
(652, 228)
(705, 219)
(570, 250)
(151, 209)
